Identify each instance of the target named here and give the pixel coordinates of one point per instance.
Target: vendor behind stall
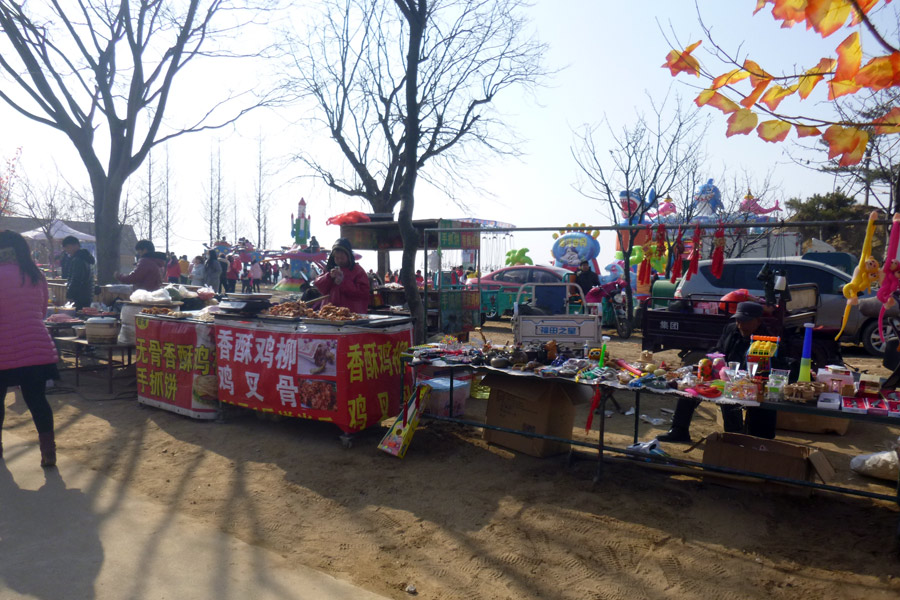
(344, 282)
(733, 343)
(148, 274)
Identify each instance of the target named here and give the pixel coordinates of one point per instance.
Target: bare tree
(404, 85)
(7, 183)
(168, 207)
(261, 197)
(148, 214)
(659, 154)
(44, 202)
(237, 224)
(735, 188)
(107, 62)
(212, 205)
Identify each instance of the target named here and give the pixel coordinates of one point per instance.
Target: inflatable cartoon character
(634, 210)
(751, 205)
(707, 201)
(570, 257)
(666, 209)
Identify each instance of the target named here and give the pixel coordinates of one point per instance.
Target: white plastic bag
(882, 465)
(160, 295)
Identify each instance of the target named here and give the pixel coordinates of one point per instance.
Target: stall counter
(349, 375)
(176, 365)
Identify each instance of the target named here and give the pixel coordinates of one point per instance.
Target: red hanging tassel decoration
(694, 260)
(718, 253)
(644, 268)
(677, 251)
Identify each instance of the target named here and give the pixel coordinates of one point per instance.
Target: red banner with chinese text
(350, 379)
(176, 366)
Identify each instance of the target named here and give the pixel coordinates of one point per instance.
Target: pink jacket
(26, 341)
(353, 291)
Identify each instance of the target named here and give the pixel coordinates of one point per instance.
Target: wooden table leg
(109, 370)
(77, 369)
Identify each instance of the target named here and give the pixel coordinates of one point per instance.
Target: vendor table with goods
(286, 359)
(833, 391)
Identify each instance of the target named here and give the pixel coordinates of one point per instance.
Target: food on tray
(329, 312)
(156, 310)
(62, 318)
(291, 309)
(207, 316)
(336, 313)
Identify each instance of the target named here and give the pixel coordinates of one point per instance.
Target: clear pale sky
(610, 54)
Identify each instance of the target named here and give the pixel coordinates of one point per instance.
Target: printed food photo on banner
(318, 395)
(317, 357)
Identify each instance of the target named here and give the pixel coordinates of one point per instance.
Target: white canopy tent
(58, 231)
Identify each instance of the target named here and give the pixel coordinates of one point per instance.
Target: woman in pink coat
(344, 281)
(27, 354)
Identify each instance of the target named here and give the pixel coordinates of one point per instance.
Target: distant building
(23, 224)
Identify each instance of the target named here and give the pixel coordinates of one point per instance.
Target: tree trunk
(416, 14)
(384, 262)
(107, 229)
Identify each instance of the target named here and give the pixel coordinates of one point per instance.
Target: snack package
(396, 440)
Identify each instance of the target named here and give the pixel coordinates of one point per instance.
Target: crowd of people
(221, 272)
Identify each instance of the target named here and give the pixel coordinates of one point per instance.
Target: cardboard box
(812, 423)
(770, 457)
(544, 406)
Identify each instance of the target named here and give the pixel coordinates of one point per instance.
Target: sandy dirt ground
(464, 520)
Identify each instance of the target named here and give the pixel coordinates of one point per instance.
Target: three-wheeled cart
(694, 324)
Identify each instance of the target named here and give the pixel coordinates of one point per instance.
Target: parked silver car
(742, 273)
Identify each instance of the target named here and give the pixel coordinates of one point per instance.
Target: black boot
(48, 449)
(681, 422)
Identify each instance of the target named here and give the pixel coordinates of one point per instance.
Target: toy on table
(705, 369)
(864, 275)
(762, 349)
(890, 283)
(625, 366)
(869, 385)
(718, 363)
(806, 357)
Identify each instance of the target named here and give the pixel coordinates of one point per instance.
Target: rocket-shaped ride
(300, 225)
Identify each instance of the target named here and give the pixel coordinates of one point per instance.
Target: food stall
(176, 364)
(286, 359)
(449, 309)
(347, 372)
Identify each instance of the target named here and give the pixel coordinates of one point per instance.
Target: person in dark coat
(80, 285)
(586, 278)
(733, 343)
